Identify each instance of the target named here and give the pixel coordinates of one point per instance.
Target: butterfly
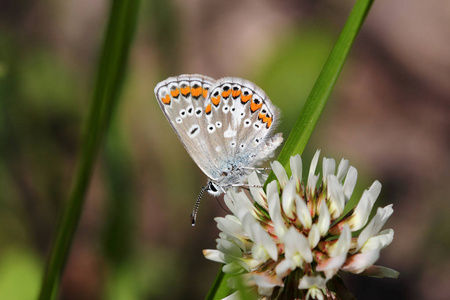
(225, 125)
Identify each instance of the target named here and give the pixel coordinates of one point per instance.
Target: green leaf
(110, 77)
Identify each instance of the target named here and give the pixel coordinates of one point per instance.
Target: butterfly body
(225, 125)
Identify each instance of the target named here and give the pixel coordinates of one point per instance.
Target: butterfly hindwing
(247, 117)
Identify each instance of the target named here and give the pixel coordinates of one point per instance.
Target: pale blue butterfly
(225, 125)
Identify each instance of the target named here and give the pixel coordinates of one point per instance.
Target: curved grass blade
(303, 128)
(110, 76)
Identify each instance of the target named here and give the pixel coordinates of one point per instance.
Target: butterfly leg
(256, 169)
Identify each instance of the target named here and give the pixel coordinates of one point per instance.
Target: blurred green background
(389, 115)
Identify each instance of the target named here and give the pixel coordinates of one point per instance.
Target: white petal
(350, 182)
(214, 255)
(312, 183)
(257, 193)
(232, 268)
(284, 267)
(289, 192)
(243, 206)
(296, 168)
(343, 244)
(296, 243)
(336, 196)
(314, 236)
(306, 282)
(314, 293)
(342, 169)
(361, 261)
(374, 225)
(338, 253)
(273, 200)
(263, 242)
(266, 284)
(314, 161)
(361, 214)
(329, 167)
(229, 248)
(323, 223)
(235, 296)
(280, 172)
(230, 225)
(379, 241)
(374, 191)
(303, 212)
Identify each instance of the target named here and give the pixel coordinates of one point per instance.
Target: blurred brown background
(389, 115)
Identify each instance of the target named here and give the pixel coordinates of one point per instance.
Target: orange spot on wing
(225, 94)
(261, 117)
(205, 93)
(175, 93)
(196, 92)
(254, 107)
(166, 99)
(235, 93)
(208, 109)
(269, 122)
(185, 91)
(245, 99)
(215, 100)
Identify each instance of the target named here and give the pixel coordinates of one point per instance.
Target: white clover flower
(294, 238)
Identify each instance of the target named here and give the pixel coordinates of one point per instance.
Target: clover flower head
(293, 238)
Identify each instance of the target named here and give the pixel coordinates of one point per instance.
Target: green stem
(314, 105)
(110, 76)
(303, 128)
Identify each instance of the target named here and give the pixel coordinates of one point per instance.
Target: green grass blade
(303, 128)
(110, 76)
(317, 99)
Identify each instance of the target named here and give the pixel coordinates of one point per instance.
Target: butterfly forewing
(182, 99)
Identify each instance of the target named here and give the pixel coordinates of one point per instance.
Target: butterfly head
(214, 189)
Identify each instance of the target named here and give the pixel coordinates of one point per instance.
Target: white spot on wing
(229, 133)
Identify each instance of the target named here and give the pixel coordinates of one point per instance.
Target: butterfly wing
(183, 102)
(241, 119)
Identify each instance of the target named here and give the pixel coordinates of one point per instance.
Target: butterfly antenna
(220, 204)
(196, 206)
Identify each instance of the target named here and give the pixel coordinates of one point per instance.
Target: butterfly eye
(212, 187)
